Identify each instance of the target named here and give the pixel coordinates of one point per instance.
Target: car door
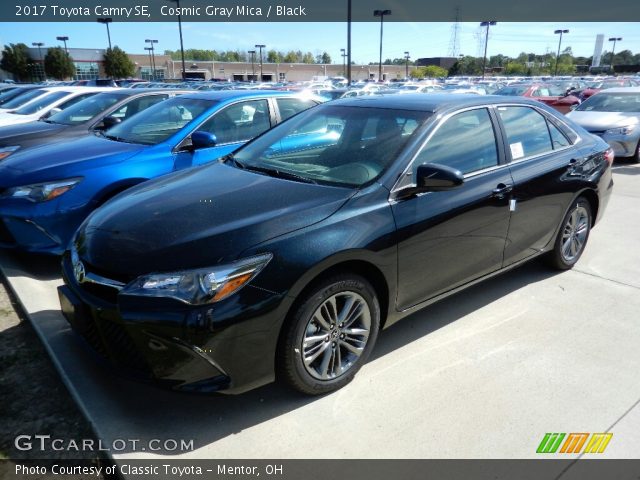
(540, 157)
(232, 126)
(449, 238)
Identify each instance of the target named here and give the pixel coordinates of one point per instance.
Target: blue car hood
(199, 217)
(61, 160)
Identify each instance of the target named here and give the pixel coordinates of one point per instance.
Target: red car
(552, 95)
(595, 87)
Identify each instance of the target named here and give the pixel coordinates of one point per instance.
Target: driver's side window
(239, 122)
(466, 141)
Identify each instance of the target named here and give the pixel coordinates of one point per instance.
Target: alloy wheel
(575, 232)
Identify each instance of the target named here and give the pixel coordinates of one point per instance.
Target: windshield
(23, 98)
(159, 122)
(333, 145)
(86, 109)
(514, 91)
(39, 104)
(611, 102)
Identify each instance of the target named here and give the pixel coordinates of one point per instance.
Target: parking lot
(483, 374)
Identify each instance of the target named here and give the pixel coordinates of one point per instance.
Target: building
(89, 63)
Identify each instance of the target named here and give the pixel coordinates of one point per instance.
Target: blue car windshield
(159, 122)
(333, 145)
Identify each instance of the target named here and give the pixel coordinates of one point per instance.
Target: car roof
(622, 90)
(431, 102)
(72, 89)
(129, 92)
(231, 94)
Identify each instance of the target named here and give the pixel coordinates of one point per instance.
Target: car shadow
(37, 266)
(124, 409)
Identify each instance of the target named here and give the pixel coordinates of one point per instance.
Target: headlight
(6, 151)
(201, 286)
(42, 192)
(626, 130)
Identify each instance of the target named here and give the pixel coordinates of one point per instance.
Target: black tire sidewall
(558, 260)
(292, 362)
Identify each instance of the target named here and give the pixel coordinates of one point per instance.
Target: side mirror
(203, 140)
(53, 111)
(433, 177)
(108, 122)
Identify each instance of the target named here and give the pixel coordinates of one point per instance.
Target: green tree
(291, 57)
(434, 71)
(16, 60)
(274, 56)
(325, 58)
(58, 64)
(117, 64)
(308, 58)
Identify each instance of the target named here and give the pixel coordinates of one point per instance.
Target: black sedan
(98, 112)
(285, 259)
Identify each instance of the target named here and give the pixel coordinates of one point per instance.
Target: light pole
(148, 49)
(406, 64)
(177, 2)
(107, 21)
(253, 67)
(260, 47)
(153, 56)
(349, 42)
(64, 39)
(40, 45)
(613, 51)
(344, 62)
(486, 41)
(381, 14)
(559, 43)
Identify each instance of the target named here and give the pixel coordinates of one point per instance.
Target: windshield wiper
(115, 138)
(231, 158)
(272, 172)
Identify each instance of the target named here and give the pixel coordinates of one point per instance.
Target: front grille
(597, 132)
(5, 234)
(122, 350)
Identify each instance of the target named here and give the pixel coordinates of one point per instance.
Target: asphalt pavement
(483, 374)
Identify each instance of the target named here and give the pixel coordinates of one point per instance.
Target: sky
(420, 39)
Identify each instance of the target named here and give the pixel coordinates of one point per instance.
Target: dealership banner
(316, 11)
(571, 469)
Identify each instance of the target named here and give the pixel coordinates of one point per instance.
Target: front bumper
(622, 145)
(38, 227)
(228, 346)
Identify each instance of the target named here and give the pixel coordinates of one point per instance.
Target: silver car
(614, 115)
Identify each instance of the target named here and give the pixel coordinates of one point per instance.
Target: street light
(556, 32)
(177, 2)
(486, 41)
(381, 14)
(153, 56)
(148, 49)
(39, 45)
(64, 39)
(406, 64)
(260, 47)
(253, 68)
(107, 21)
(613, 51)
(344, 61)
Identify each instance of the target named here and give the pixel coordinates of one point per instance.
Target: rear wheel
(636, 157)
(329, 335)
(572, 237)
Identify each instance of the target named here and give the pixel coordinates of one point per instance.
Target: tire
(636, 157)
(572, 237)
(329, 335)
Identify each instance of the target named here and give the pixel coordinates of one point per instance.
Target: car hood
(35, 164)
(603, 120)
(199, 217)
(13, 134)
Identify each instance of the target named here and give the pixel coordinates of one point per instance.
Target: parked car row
(218, 240)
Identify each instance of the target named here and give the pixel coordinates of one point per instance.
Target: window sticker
(516, 150)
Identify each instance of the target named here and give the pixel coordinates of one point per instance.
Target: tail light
(608, 156)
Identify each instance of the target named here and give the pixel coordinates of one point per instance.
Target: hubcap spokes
(574, 234)
(336, 335)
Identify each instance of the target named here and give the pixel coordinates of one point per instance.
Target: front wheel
(636, 157)
(330, 335)
(572, 237)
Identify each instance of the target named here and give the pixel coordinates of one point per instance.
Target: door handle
(501, 190)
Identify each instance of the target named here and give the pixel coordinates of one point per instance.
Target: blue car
(47, 191)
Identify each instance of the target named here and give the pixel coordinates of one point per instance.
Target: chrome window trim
(443, 118)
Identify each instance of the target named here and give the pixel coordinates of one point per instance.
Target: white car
(39, 102)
